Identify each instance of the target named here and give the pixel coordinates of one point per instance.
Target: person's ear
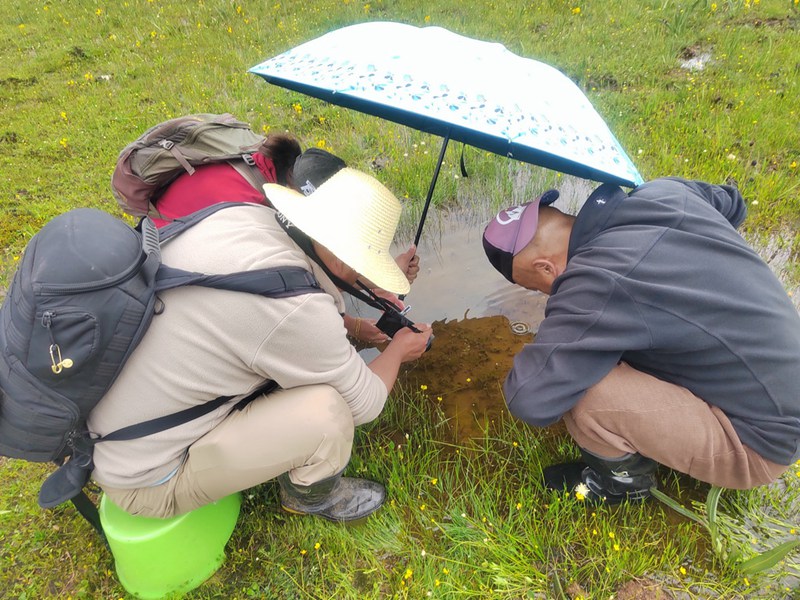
(545, 268)
(545, 273)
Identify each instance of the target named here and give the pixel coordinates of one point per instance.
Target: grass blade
(678, 508)
(767, 560)
(712, 500)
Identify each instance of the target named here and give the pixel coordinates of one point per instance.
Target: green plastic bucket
(157, 557)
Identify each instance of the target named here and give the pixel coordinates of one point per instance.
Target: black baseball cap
(313, 168)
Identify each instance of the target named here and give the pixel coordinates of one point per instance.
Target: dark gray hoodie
(660, 279)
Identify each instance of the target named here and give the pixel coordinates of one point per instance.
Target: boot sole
(356, 521)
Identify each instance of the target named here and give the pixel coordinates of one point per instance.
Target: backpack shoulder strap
(181, 224)
(277, 282)
(249, 171)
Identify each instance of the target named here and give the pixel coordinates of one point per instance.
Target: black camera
(393, 321)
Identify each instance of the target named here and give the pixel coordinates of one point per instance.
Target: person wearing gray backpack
(210, 343)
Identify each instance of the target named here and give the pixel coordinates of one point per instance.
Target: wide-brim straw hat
(355, 217)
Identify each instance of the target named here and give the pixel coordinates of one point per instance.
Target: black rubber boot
(629, 477)
(336, 498)
(605, 480)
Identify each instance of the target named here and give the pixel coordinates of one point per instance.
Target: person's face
(336, 266)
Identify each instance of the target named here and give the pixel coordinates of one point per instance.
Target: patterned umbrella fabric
(463, 89)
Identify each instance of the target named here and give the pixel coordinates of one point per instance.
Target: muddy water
(480, 321)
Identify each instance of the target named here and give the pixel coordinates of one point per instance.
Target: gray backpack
(84, 293)
(147, 166)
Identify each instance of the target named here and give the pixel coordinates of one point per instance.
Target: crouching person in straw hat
(666, 338)
(210, 343)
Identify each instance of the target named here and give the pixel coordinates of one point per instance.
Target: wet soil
(464, 371)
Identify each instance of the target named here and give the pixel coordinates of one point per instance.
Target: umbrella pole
(430, 189)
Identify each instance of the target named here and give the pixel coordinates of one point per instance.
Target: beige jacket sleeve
(310, 346)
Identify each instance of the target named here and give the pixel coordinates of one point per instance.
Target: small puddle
(480, 320)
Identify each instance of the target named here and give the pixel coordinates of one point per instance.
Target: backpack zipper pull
(55, 350)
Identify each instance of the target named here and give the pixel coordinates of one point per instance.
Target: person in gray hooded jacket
(666, 338)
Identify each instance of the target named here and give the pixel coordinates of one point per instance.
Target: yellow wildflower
(576, 10)
(408, 574)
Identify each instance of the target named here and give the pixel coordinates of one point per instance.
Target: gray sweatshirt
(660, 279)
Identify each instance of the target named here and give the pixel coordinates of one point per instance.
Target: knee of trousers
(594, 404)
(331, 416)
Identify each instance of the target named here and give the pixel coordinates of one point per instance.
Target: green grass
(470, 519)
(464, 520)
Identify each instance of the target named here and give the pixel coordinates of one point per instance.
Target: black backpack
(84, 294)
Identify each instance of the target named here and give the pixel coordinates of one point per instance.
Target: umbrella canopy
(467, 90)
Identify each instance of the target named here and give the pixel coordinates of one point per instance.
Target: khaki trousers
(630, 411)
(307, 431)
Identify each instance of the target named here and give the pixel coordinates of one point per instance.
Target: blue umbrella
(463, 89)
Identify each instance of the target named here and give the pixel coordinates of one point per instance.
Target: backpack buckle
(248, 159)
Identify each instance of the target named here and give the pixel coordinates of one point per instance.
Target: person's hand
(364, 330)
(409, 344)
(408, 262)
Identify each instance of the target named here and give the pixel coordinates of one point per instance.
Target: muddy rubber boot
(336, 498)
(605, 480)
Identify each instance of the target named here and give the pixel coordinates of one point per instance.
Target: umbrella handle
(430, 189)
(430, 194)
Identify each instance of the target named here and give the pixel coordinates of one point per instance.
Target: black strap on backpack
(84, 505)
(67, 482)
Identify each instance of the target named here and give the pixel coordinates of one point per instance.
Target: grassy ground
(79, 80)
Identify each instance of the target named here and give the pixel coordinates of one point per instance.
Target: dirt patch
(465, 368)
(642, 589)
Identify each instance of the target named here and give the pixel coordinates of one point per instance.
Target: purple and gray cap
(511, 230)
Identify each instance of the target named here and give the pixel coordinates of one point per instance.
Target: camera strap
(306, 245)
